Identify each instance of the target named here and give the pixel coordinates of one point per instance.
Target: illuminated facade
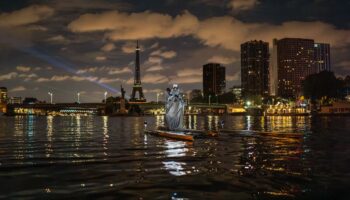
(295, 61)
(214, 82)
(322, 57)
(255, 68)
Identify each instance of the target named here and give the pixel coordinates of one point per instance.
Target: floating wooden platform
(177, 135)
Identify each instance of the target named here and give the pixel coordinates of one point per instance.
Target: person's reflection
(176, 149)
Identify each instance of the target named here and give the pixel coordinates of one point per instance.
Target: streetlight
(51, 94)
(209, 99)
(106, 96)
(78, 94)
(158, 94)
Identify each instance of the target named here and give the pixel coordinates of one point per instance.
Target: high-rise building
(214, 81)
(255, 68)
(137, 88)
(322, 57)
(3, 95)
(295, 61)
(273, 70)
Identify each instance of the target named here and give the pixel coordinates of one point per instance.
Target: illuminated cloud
(222, 60)
(18, 89)
(108, 47)
(28, 15)
(154, 78)
(235, 77)
(21, 68)
(155, 45)
(104, 69)
(57, 78)
(154, 60)
(229, 33)
(164, 54)
(101, 58)
(187, 76)
(109, 80)
(8, 76)
(124, 70)
(129, 47)
(28, 77)
(242, 4)
(133, 26)
(58, 39)
(226, 31)
(155, 68)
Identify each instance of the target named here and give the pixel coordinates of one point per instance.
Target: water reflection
(280, 157)
(175, 150)
(105, 135)
(49, 127)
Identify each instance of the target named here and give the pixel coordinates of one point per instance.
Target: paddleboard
(178, 135)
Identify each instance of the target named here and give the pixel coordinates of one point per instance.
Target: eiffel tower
(137, 79)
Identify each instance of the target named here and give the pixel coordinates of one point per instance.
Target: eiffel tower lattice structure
(137, 88)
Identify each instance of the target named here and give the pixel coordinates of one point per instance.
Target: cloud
(28, 77)
(235, 77)
(154, 60)
(129, 47)
(87, 70)
(222, 59)
(124, 70)
(187, 76)
(8, 76)
(226, 32)
(57, 78)
(242, 4)
(21, 68)
(104, 69)
(18, 89)
(164, 54)
(133, 26)
(101, 58)
(108, 80)
(58, 39)
(28, 15)
(108, 47)
(155, 68)
(155, 45)
(154, 78)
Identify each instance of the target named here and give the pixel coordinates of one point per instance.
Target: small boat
(178, 135)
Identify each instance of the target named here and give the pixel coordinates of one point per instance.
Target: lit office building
(295, 61)
(322, 57)
(255, 68)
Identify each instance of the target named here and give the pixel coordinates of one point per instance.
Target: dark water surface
(111, 158)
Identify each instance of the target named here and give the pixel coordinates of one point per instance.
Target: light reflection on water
(267, 157)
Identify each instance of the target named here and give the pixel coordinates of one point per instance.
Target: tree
(322, 85)
(227, 97)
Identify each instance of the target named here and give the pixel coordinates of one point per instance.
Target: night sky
(70, 46)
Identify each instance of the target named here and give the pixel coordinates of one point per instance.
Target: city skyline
(50, 47)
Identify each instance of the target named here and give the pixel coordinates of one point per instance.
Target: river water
(111, 158)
